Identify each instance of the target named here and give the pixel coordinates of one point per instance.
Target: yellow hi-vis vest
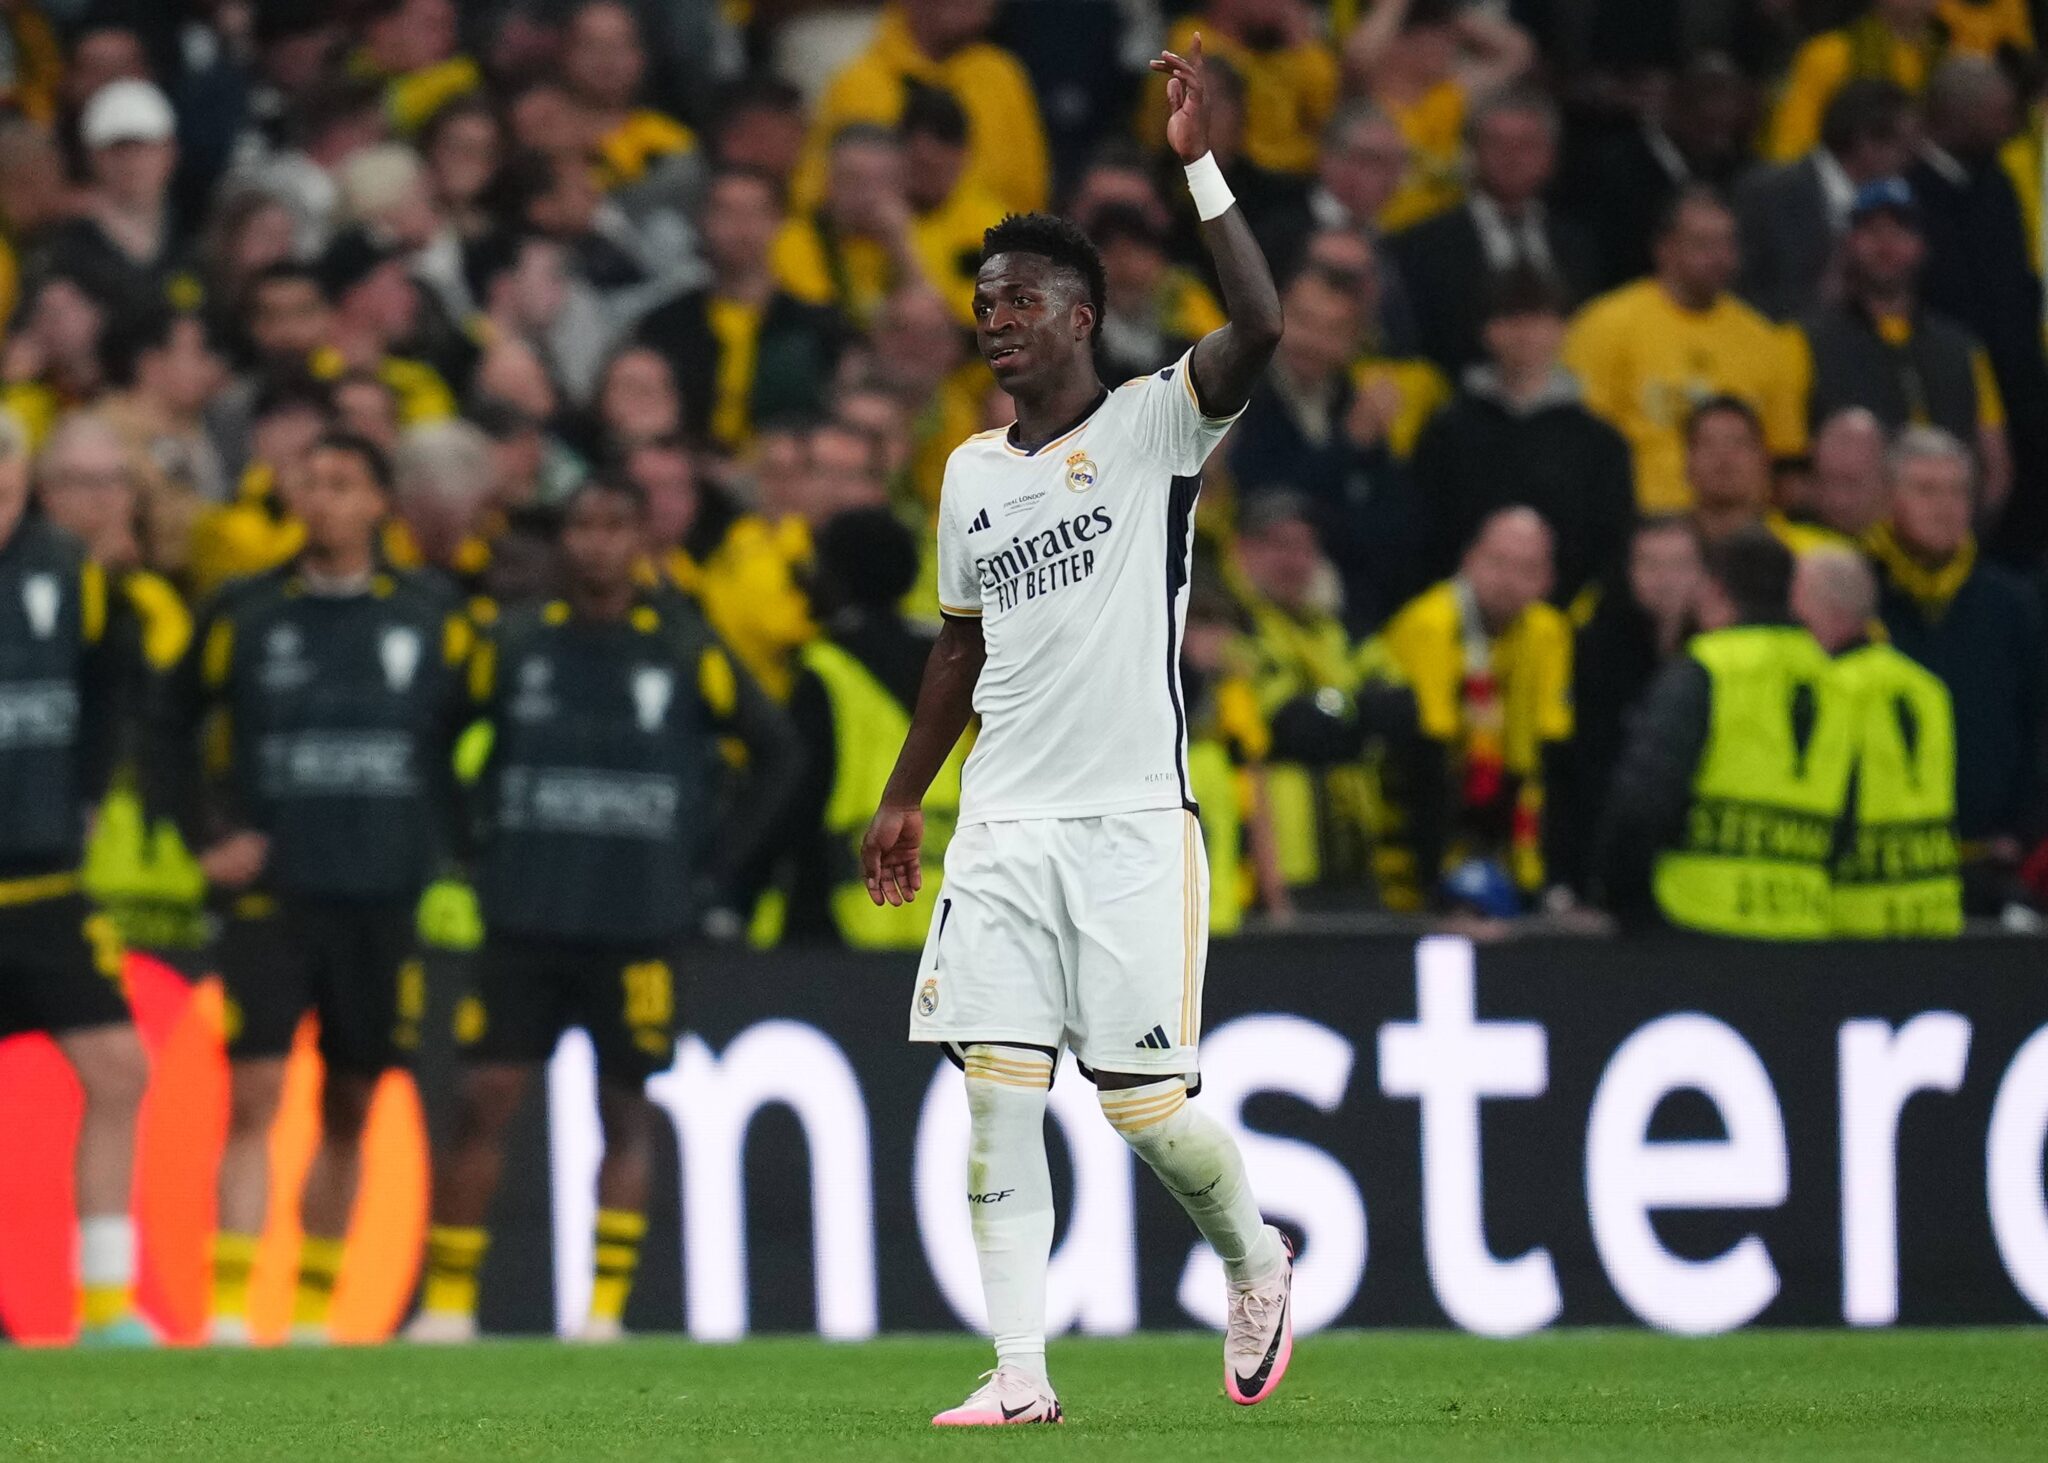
(1898, 874)
(1759, 836)
(868, 728)
(1214, 783)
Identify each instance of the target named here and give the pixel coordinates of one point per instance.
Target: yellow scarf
(1931, 589)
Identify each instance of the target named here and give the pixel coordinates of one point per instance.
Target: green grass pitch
(1570, 1395)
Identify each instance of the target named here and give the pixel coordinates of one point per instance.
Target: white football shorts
(1087, 933)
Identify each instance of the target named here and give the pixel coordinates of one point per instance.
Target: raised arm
(889, 853)
(1228, 362)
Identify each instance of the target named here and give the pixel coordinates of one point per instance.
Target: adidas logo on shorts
(1155, 1041)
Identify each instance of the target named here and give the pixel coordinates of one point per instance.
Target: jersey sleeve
(1169, 422)
(959, 584)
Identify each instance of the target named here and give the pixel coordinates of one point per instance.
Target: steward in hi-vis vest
(1728, 802)
(851, 707)
(1896, 871)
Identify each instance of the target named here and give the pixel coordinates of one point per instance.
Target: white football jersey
(1075, 559)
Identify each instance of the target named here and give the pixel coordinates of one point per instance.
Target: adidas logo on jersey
(981, 521)
(1155, 1041)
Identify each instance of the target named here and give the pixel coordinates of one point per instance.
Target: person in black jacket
(1516, 433)
(1310, 431)
(315, 714)
(1980, 273)
(1641, 621)
(1448, 262)
(794, 345)
(604, 840)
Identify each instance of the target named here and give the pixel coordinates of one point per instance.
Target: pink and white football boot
(1007, 1395)
(1258, 1340)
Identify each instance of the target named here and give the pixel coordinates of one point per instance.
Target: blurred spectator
(463, 147)
(86, 486)
(1642, 620)
(30, 88)
(760, 127)
(34, 194)
(412, 49)
(1480, 777)
(257, 530)
(335, 118)
(1848, 493)
(52, 360)
(1980, 629)
(524, 290)
(1306, 681)
(1879, 348)
(1728, 468)
(1415, 390)
(365, 406)
(1517, 432)
(1288, 69)
(850, 707)
(1793, 216)
(1311, 430)
(558, 196)
(1227, 745)
(1423, 61)
(862, 243)
(848, 473)
(166, 372)
(743, 350)
(1895, 870)
(1893, 40)
(1358, 168)
(1722, 812)
(126, 237)
(604, 64)
(920, 355)
(939, 43)
(1695, 131)
(1153, 310)
(442, 480)
(246, 234)
(1648, 353)
(1449, 262)
(636, 401)
(374, 309)
(952, 212)
(1980, 270)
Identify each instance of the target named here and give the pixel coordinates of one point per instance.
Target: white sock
(1200, 1165)
(106, 1249)
(1009, 1196)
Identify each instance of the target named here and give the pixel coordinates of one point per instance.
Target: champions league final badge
(1080, 472)
(928, 998)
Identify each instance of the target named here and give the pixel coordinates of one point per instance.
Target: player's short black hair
(1056, 240)
(363, 450)
(1755, 571)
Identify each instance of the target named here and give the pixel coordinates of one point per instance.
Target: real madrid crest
(1080, 472)
(928, 998)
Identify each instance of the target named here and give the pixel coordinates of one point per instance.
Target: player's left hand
(890, 855)
(1187, 104)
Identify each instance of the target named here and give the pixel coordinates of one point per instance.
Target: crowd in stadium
(1574, 293)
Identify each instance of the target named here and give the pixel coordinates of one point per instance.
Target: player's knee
(254, 1091)
(1141, 1114)
(625, 1115)
(112, 1069)
(490, 1100)
(1000, 1079)
(345, 1107)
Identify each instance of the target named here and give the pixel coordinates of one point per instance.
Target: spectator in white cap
(126, 236)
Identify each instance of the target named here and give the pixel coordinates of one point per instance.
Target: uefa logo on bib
(1080, 472)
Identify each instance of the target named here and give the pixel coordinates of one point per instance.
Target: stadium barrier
(1688, 1135)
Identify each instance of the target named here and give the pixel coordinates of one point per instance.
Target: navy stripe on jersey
(1180, 510)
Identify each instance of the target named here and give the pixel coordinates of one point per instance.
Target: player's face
(340, 501)
(1030, 322)
(603, 537)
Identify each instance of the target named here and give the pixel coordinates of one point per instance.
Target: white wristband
(1212, 195)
